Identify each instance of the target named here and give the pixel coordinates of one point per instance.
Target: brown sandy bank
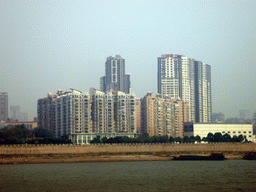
(103, 157)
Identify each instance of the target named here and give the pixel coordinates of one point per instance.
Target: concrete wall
(61, 149)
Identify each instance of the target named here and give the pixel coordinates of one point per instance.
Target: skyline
(60, 45)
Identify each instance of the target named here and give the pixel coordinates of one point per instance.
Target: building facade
(30, 125)
(203, 101)
(3, 106)
(179, 76)
(138, 116)
(46, 112)
(76, 113)
(115, 77)
(236, 129)
(163, 116)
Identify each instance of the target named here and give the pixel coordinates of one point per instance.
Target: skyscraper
(203, 95)
(15, 112)
(190, 80)
(3, 106)
(115, 77)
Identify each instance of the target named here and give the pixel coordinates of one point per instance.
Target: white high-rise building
(180, 76)
(72, 113)
(203, 94)
(113, 112)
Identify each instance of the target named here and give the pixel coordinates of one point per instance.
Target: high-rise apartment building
(115, 77)
(163, 116)
(46, 112)
(72, 113)
(3, 106)
(75, 113)
(15, 112)
(203, 95)
(113, 112)
(65, 113)
(190, 80)
(138, 116)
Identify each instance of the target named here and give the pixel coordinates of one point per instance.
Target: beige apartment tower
(163, 116)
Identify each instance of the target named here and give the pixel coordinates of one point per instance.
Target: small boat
(250, 155)
(213, 156)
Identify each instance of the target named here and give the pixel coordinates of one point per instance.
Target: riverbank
(102, 157)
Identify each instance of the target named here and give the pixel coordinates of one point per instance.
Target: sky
(60, 44)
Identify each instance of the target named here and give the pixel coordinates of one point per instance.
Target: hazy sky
(47, 45)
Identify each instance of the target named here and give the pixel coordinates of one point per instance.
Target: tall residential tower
(190, 80)
(115, 77)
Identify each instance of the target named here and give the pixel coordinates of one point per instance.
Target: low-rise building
(30, 125)
(202, 129)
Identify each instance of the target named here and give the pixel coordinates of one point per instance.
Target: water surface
(231, 175)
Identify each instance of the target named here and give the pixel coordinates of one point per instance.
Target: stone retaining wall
(125, 148)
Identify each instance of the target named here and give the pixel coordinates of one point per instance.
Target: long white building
(202, 129)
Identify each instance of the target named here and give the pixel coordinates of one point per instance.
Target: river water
(230, 175)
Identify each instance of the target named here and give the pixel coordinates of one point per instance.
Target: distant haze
(47, 45)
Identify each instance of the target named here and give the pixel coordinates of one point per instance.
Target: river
(230, 175)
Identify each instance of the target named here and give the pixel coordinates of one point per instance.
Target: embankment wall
(125, 148)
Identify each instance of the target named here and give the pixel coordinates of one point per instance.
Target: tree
(191, 139)
(210, 137)
(17, 134)
(163, 139)
(204, 139)
(96, 140)
(178, 139)
(198, 138)
(226, 137)
(104, 140)
(235, 139)
(185, 139)
(42, 133)
(171, 139)
(218, 137)
(241, 138)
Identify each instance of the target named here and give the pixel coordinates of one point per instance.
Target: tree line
(19, 134)
(145, 138)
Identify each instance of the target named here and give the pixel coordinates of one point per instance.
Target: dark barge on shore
(213, 156)
(250, 155)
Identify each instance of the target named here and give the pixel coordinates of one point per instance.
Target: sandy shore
(83, 158)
